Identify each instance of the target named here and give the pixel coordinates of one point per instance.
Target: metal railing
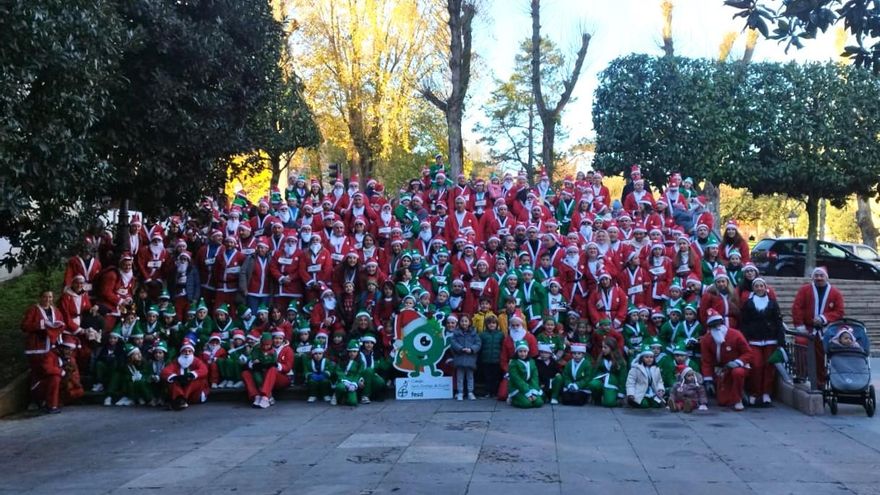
(801, 363)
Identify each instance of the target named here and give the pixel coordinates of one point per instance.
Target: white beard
(337, 191)
(386, 217)
(182, 267)
(518, 334)
(156, 249)
(284, 215)
(289, 249)
(329, 304)
(185, 361)
(587, 232)
(571, 260)
(305, 236)
(232, 225)
(425, 236)
(718, 334)
(315, 248)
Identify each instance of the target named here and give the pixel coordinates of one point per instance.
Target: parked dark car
(785, 258)
(862, 251)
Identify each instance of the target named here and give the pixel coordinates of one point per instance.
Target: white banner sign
(424, 387)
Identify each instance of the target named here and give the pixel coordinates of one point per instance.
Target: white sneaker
(124, 402)
(264, 402)
(108, 401)
(738, 406)
(238, 385)
(554, 401)
(333, 400)
(327, 398)
(365, 400)
(459, 396)
(311, 399)
(215, 386)
(142, 402)
(203, 397)
(752, 400)
(225, 384)
(97, 388)
(471, 396)
(271, 401)
(702, 408)
(257, 401)
(153, 403)
(766, 398)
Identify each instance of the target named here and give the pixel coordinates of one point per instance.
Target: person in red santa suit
(84, 264)
(599, 191)
(724, 361)
(516, 331)
(81, 319)
(633, 202)
(227, 272)
(152, 264)
(205, 259)
(117, 289)
(635, 281)
(284, 270)
(460, 219)
(325, 315)
(498, 221)
(316, 267)
(359, 208)
(137, 237)
(607, 301)
(187, 378)
(574, 283)
(338, 244)
(384, 224)
(815, 306)
(261, 223)
(255, 281)
(42, 326)
(722, 298)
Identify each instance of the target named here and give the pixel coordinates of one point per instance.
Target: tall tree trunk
(823, 211)
(866, 222)
(668, 48)
(122, 239)
(812, 223)
(530, 170)
(275, 164)
(550, 115)
(456, 145)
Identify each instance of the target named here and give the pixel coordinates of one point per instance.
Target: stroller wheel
(871, 402)
(832, 404)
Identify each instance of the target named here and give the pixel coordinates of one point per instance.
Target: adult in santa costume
(227, 272)
(152, 263)
(725, 358)
(256, 280)
(42, 326)
(81, 319)
(84, 264)
(762, 326)
(187, 378)
(117, 289)
(267, 369)
(815, 306)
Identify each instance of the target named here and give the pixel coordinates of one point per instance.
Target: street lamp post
(792, 221)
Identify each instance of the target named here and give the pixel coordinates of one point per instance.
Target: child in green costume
(159, 358)
(236, 356)
(349, 377)
(525, 391)
(131, 383)
(319, 371)
(576, 377)
(375, 370)
(609, 375)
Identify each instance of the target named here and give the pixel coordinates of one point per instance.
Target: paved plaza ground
(438, 448)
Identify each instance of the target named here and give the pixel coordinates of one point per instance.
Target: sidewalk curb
(798, 397)
(14, 396)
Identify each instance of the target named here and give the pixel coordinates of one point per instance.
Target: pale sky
(618, 27)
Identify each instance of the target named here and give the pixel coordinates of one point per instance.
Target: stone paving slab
(438, 447)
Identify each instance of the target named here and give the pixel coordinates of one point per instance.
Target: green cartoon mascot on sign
(419, 343)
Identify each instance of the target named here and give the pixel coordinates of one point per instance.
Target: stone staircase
(861, 298)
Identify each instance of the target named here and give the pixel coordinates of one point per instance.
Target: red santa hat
(819, 269)
(635, 171)
(126, 255)
(712, 316)
(187, 344)
(731, 224)
(185, 254)
(263, 241)
(135, 219)
(720, 272)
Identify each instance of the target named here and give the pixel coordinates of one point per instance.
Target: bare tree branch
(429, 95)
(570, 83)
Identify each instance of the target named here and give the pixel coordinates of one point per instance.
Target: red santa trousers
(272, 380)
(44, 387)
(729, 385)
(191, 392)
(762, 377)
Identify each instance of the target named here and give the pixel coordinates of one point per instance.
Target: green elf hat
(263, 308)
(202, 305)
(652, 341)
(303, 327)
(362, 313)
(691, 307)
(243, 311)
(169, 311)
(673, 309)
(353, 345)
(160, 346)
(275, 196)
(240, 200)
(604, 321)
(526, 269)
(511, 275)
(632, 309)
(317, 349)
(293, 306)
(191, 310)
(676, 283)
(164, 295)
(115, 333)
(266, 336)
(137, 333)
(680, 349)
(153, 309)
(368, 338)
(645, 350)
(223, 308)
(131, 349)
(522, 344)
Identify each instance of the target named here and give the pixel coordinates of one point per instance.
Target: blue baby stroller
(849, 370)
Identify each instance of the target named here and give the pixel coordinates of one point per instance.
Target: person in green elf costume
(223, 322)
(237, 355)
(151, 325)
(663, 361)
(644, 385)
(634, 331)
(564, 211)
(131, 383)
(531, 295)
(169, 329)
(670, 329)
(548, 334)
(202, 326)
(349, 378)
(609, 375)
(576, 377)
(376, 370)
(674, 297)
(524, 389)
(302, 352)
(440, 273)
(319, 372)
(154, 366)
(683, 359)
(262, 357)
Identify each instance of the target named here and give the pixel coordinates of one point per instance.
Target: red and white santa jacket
(88, 269)
(42, 329)
(73, 306)
(227, 269)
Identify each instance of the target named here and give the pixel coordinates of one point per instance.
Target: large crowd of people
(545, 294)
